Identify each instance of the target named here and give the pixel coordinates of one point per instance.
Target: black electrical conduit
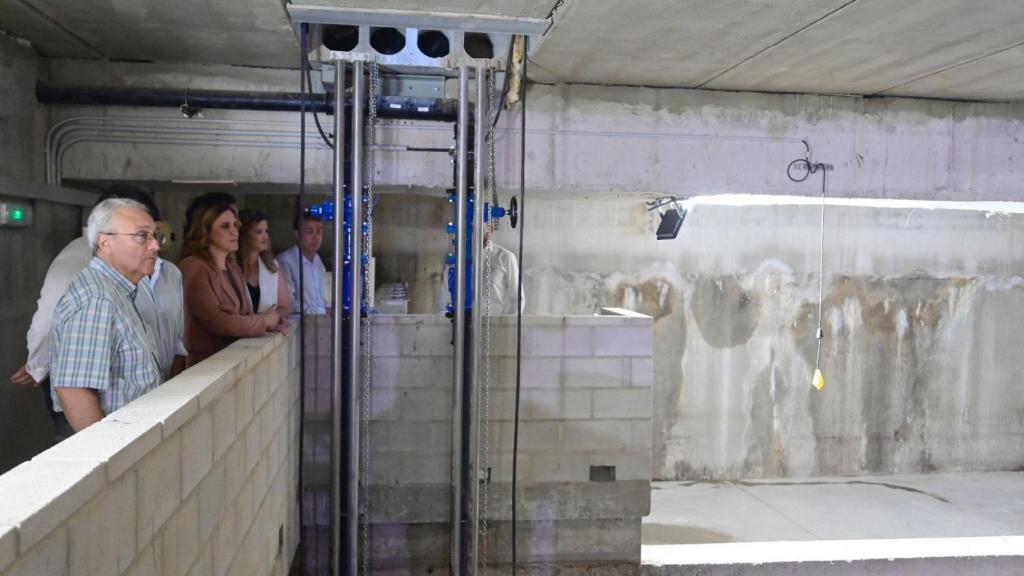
(396, 107)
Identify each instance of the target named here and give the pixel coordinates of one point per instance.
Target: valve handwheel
(513, 211)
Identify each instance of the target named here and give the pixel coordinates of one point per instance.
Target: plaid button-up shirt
(99, 341)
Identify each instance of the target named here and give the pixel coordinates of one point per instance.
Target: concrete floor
(929, 524)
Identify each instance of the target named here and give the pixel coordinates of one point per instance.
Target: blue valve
(323, 210)
(495, 212)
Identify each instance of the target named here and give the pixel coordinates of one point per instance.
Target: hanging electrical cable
(519, 299)
(316, 117)
(818, 379)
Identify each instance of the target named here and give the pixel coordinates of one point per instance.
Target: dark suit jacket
(215, 313)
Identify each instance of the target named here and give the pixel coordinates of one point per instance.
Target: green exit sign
(12, 214)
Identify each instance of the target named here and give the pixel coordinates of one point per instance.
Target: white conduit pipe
(107, 123)
(173, 141)
(58, 131)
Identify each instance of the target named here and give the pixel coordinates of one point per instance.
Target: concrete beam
(38, 191)
(588, 141)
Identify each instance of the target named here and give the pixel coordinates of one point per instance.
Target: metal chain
(485, 401)
(371, 134)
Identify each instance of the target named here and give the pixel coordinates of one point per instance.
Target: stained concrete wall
(24, 425)
(921, 354)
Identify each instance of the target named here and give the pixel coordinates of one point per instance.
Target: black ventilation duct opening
(433, 43)
(387, 40)
(478, 45)
(342, 38)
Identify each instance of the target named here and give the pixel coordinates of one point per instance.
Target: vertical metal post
(462, 143)
(337, 358)
(356, 285)
(480, 159)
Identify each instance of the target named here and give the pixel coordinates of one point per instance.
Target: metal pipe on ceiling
(398, 107)
(159, 97)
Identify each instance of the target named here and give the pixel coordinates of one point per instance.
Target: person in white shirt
(504, 279)
(63, 270)
(167, 314)
(309, 234)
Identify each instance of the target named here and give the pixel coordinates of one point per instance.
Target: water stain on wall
(888, 350)
(766, 447)
(654, 297)
(658, 297)
(724, 311)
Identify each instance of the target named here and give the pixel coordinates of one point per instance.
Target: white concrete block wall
(585, 397)
(583, 403)
(197, 478)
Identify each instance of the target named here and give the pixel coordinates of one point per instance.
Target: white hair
(99, 219)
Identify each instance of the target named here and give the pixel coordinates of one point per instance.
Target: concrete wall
(24, 424)
(921, 354)
(196, 478)
(595, 152)
(597, 140)
(586, 402)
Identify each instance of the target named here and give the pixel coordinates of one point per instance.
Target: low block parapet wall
(196, 478)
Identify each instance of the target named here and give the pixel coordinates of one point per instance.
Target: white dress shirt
(65, 267)
(504, 280)
(269, 282)
(162, 307)
(314, 285)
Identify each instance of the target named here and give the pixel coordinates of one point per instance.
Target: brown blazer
(214, 314)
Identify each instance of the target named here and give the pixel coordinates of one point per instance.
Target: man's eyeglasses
(142, 237)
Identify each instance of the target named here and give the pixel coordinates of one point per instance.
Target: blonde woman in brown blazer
(217, 305)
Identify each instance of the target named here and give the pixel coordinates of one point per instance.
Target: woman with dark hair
(266, 285)
(217, 305)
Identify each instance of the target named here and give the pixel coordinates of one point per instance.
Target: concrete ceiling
(240, 32)
(957, 49)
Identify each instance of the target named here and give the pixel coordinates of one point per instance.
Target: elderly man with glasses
(160, 305)
(102, 354)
